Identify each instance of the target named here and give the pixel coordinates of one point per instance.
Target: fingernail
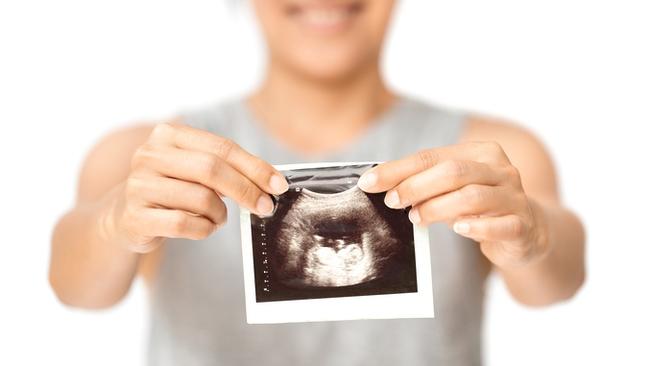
(461, 228)
(392, 199)
(264, 205)
(278, 184)
(414, 216)
(367, 180)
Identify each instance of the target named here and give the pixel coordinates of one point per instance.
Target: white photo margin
(391, 306)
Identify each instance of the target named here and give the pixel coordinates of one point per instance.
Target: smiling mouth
(325, 16)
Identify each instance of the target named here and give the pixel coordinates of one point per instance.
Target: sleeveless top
(197, 299)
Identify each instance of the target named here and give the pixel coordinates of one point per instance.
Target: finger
(263, 174)
(178, 194)
(448, 176)
(387, 175)
(159, 222)
(471, 200)
(209, 170)
(502, 228)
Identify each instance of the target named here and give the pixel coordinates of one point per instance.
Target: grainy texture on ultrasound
(327, 238)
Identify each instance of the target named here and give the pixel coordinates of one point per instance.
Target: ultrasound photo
(327, 239)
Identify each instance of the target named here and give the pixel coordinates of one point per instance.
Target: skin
(153, 181)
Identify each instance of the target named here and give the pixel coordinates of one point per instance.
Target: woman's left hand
(472, 187)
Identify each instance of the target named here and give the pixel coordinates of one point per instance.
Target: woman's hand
(472, 187)
(176, 184)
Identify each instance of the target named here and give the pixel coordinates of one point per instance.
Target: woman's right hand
(176, 184)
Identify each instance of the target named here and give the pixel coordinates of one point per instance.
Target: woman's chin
(329, 68)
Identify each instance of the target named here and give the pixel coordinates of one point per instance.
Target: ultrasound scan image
(327, 238)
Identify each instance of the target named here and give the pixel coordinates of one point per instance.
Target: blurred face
(324, 39)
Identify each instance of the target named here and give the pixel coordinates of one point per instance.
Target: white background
(575, 72)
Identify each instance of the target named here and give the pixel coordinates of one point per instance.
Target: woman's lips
(325, 17)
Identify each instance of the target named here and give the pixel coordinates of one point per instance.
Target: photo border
(386, 306)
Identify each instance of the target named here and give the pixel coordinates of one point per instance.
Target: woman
(160, 201)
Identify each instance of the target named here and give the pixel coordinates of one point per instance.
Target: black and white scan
(330, 252)
(327, 238)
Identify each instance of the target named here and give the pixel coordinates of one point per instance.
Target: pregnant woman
(160, 201)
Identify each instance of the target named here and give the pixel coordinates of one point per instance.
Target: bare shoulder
(524, 149)
(507, 133)
(108, 162)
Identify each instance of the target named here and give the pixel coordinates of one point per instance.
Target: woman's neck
(317, 116)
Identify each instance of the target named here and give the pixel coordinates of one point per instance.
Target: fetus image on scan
(328, 238)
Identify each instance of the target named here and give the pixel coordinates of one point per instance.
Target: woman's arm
(86, 268)
(139, 187)
(559, 271)
(502, 193)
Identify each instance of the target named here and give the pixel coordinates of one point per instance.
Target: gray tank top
(197, 303)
